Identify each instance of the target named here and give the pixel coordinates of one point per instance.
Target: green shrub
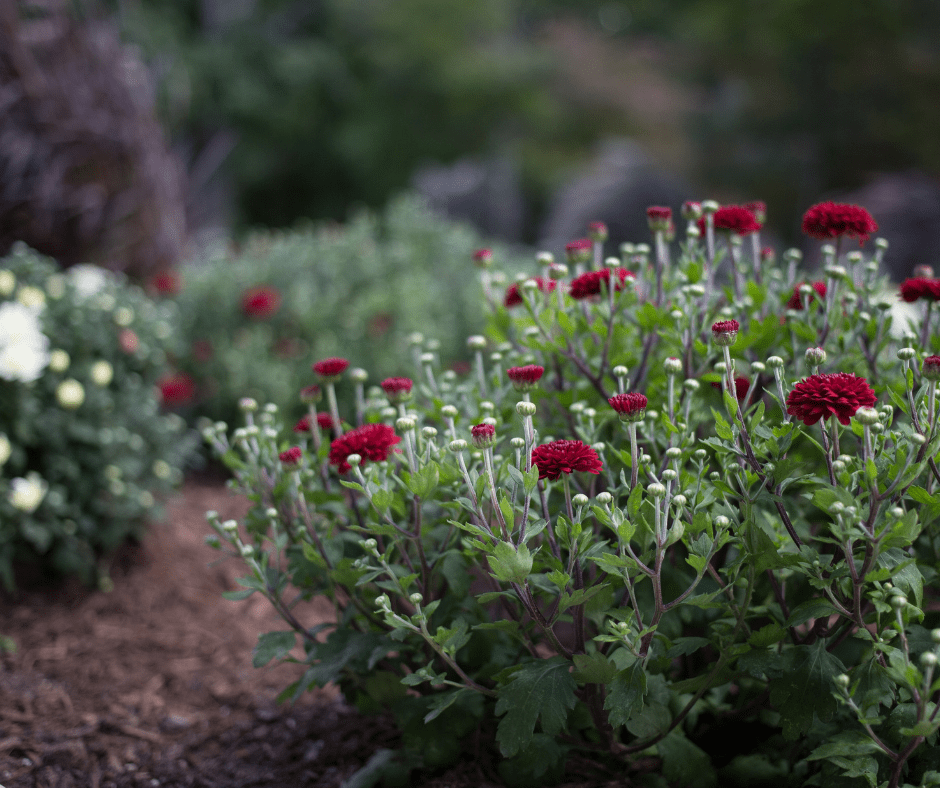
(84, 449)
(709, 576)
(368, 284)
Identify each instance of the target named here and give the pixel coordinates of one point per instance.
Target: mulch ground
(151, 684)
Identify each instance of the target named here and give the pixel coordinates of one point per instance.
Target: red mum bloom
(759, 209)
(310, 394)
(741, 386)
(597, 231)
(483, 258)
(178, 389)
(733, 218)
(261, 302)
(330, 367)
(397, 389)
(166, 283)
(725, 332)
(839, 394)
(796, 301)
(579, 251)
(371, 442)
(514, 297)
(558, 457)
(831, 220)
(324, 422)
(631, 406)
(525, 378)
(931, 368)
(290, 456)
(917, 288)
(691, 211)
(483, 435)
(593, 282)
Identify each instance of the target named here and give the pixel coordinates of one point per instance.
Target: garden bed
(152, 684)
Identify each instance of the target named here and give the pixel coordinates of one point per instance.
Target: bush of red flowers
(575, 556)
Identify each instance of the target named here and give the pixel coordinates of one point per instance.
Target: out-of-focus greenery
(358, 291)
(336, 103)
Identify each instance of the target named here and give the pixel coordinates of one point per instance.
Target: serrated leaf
(634, 500)
(238, 595)
(685, 763)
(579, 597)
(542, 690)
(509, 515)
(625, 698)
(382, 499)
(767, 635)
(509, 563)
(442, 701)
(805, 688)
(272, 645)
(722, 428)
(593, 668)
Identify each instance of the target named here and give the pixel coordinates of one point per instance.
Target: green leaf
(686, 764)
(652, 721)
(272, 645)
(532, 478)
(579, 597)
(509, 515)
(351, 485)
(564, 321)
(509, 563)
(767, 635)
(804, 688)
(627, 691)
(442, 701)
(593, 668)
(423, 481)
(633, 502)
(722, 428)
(542, 690)
(238, 595)
(382, 499)
(904, 573)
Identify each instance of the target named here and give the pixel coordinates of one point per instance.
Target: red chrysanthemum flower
(177, 389)
(579, 251)
(659, 212)
(796, 301)
(324, 422)
(261, 302)
(631, 406)
(166, 283)
(741, 386)
(396, 388)
(593, 282)
(483, 435)
(128, 340)
(931, 368)
(310, 394)
(838, 394)
(733, 218)
(330, 367)
(514, 296)
(290, 456)
(828, 220)
(483, 258)
(768, 255)
(597, 231)
(371, 442)
(919, 287)
(759, 209)
(558, 457)
(524, 378)
(691, 211)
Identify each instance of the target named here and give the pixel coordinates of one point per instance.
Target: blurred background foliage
(331, 103)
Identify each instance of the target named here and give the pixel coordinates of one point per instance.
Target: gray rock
(616, 188)
(487, 194)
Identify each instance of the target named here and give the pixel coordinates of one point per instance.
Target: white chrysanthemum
(32, 297)
(88, 280)
(102, 373)
(7, 282)
(24, 349)
(5, 448)
(26, 494)
(70, 394)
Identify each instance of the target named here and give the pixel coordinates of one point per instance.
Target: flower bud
(382, 601)
(458, 445)
(928, 659)
(867, 416)
(757, 367)
(906, 353)
(405, 424)
(935, 635)
(517, 443)
(449, 411)
(247, 405)
(896, 511)
(898, 601)
(545, 259)
(709, 206)
(815, 356)
(931, 368)
(721, 366)
(580, 500)
(557, 271)
(680, 500)
(598, 447)
(416, 598)
(669, 474)
(673, 366)
(690, 385)
(700, 454)
(917, 439)
(775, 362)
(721, 521)
(841, 681)
(673, 453)
(656, 490)
(604, 498)
(476, 342)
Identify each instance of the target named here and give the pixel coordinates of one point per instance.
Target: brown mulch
(151, 684)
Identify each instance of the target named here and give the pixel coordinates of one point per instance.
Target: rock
(486, 194)
(616, 188)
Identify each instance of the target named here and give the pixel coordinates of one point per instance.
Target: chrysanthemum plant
(85, 450)
(582, 553)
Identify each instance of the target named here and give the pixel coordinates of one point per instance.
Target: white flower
(70, 394)
(7, 282)
(24, 349)
(5, 448)
(102, 373)
(31, 297)
(26, 494)
(59, 360)
(88, 279)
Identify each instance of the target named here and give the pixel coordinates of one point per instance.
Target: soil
(151, 684)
